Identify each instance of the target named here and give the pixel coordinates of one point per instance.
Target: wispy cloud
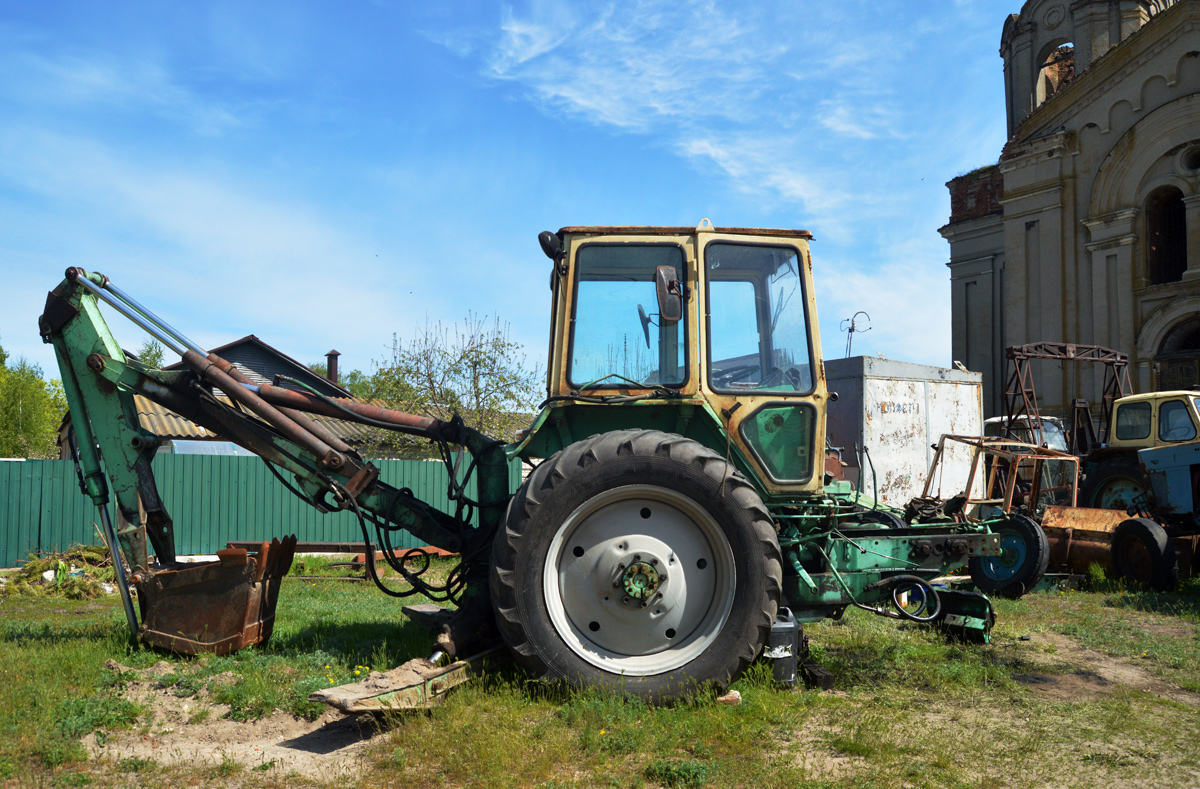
(107, 84)
(825, 129)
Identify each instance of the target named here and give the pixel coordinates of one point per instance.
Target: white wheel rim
(639, 580)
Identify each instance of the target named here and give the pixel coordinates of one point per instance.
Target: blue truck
(1159, 546)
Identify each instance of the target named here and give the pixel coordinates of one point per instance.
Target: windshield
(616, 330)
(757, 328)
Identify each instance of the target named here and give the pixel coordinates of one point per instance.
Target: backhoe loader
(677, 500)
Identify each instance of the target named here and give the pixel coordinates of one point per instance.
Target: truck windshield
(757, 328)
(615, 329)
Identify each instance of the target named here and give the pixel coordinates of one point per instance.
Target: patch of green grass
(227, 768)
(79, 716)
(678, 772)
(136, 764)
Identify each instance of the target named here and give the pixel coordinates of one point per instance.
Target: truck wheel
(1113, 485)
(637, 561)
(1025, 553)
(1142, 553)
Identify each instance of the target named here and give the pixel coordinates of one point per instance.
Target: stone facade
(1088, 228)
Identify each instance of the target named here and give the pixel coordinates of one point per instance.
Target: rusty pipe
(303, 401)
(320, 431)
(327, 457)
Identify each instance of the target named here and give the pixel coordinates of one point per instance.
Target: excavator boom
(228, 604)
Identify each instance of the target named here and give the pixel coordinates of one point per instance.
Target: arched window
(1178, 357)
(1056, 72)
(1166, 236)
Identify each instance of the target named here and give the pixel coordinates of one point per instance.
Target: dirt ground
(324, 749)
(1090, 674)
(334, 745)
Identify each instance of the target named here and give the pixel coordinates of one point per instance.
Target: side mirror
(552, 245)
(670, 295)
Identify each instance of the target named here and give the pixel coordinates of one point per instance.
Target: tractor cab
(707, 332)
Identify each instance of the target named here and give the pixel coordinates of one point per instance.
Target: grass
(908, 708)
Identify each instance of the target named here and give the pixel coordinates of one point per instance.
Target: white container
(899, 411)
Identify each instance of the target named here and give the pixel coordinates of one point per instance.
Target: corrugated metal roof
(168, 424)
(262, 362)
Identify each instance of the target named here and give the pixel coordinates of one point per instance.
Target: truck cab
(1155, 419)
(1113, 477)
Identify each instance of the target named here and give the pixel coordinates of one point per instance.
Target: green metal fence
(212, 499)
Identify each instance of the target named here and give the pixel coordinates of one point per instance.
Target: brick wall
(976, 194)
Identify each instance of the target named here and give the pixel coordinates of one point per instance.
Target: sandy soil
(325, 749)
(1091, 674)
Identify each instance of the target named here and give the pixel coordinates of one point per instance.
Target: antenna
(853, 327)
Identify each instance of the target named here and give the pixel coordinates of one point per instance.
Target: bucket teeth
(218, 607)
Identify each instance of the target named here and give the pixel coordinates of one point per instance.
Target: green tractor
(678, 498)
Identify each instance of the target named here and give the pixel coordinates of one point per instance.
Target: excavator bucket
(218, 607)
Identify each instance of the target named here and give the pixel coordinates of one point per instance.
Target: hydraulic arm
(225, 605)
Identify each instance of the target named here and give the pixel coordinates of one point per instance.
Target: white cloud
(108, 85)
(219, 256)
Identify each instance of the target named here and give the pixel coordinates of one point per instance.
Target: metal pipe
(128, 312)
(319, 431)
(150, 316)
(110, 535)
(303, 401)
(211, 372)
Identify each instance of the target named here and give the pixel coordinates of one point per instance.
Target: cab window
(757, 324)
(617, 336)
(1174, 422)
(1133, 421)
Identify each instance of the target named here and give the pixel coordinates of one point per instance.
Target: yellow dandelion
(602, 731)
(356, 671)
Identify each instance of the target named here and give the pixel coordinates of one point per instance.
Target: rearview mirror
(670, 295)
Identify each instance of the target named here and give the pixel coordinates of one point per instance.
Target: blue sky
(325, 174)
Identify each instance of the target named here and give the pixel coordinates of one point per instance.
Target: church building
(1087, 230)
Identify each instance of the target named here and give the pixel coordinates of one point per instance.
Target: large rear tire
(1143, 554)
(1113, 485)
(637, 561)
(1025, 554)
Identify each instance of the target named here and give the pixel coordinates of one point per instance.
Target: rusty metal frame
(1016, 455)
(1020, 395)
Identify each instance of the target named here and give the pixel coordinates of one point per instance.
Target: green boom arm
(100, 382)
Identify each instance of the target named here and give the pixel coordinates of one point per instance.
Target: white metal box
(898, 411)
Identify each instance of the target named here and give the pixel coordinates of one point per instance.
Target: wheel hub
(641, 581)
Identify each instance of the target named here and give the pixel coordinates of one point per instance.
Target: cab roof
(1158, 395)
(638, 230)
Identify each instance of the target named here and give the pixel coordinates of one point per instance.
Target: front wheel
(1113, 485)
(1024, 556)
(1142, 553)
(638, 561)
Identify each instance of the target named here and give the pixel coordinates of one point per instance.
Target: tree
(31, 410)
(151, 354)
(356, 381)
(473, 369)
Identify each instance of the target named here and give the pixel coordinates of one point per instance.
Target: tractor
(677, 502)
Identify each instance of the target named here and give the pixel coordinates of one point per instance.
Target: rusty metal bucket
(1080, 536)
(218, 607)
